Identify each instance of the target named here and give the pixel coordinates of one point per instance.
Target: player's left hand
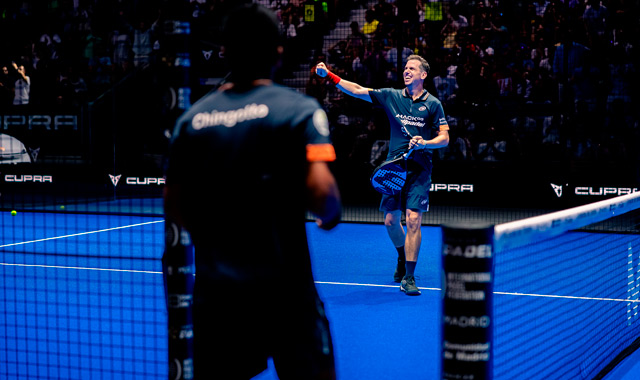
(417, 142)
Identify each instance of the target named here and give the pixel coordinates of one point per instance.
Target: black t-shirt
(240, 158)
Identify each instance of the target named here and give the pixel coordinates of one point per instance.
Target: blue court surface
(82, 297)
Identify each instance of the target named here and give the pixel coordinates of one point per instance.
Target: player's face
(413, 72)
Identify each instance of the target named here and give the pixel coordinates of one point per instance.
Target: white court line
(501, 293)
(79, 268)
(80, 234)
(336, 283)
(317, 282)
(371, 285)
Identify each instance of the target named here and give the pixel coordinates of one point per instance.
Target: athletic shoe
(398, 275)
(408, 286)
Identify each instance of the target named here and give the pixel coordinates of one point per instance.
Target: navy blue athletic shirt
(240, 158)
(407, 117)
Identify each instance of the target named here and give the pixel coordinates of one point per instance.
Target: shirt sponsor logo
(411, 120)
(229, 118)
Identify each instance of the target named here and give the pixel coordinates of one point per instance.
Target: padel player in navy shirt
(245, 163)
(417, 121)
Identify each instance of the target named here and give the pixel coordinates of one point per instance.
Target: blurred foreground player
(245, 164)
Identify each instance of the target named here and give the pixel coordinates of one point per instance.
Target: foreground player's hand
(328, 225)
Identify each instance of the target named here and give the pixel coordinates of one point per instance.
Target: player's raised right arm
(348, 87)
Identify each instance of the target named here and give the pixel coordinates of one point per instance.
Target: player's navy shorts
(414, 194)
(238, 327)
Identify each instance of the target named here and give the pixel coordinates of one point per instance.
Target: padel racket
(390, 176)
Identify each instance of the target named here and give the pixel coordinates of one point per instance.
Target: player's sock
(399, 273)
(411, 267)
(400, 253)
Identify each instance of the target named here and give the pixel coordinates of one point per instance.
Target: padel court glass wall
(539, 99)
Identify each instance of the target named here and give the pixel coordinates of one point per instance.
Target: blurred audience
(519, 79)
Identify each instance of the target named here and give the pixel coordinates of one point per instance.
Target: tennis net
(81, 297)
(564, 294)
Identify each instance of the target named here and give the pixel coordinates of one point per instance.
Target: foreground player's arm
(171, 195)
(324, 197)
(349, 88)
(440, 141)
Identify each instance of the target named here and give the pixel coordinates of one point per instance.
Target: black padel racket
(390, 176)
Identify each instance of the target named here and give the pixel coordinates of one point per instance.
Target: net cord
(521, 232)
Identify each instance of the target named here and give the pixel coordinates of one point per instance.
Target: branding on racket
(389, 180)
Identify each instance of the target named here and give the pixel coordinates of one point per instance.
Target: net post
(467, 302)
(178, 261)
(178, 267)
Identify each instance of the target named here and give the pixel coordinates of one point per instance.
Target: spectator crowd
(526, 79)
(519, 80)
